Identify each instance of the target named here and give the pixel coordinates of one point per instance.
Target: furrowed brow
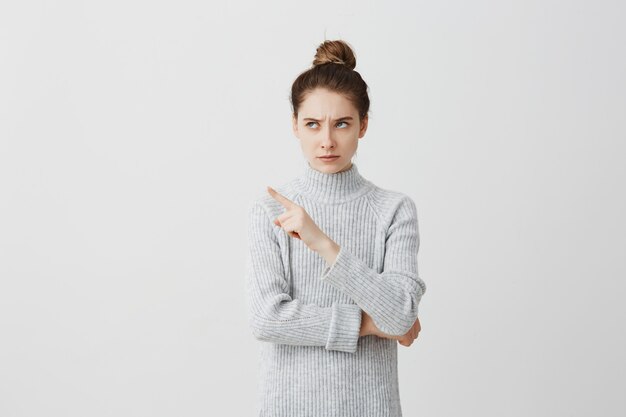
(336, 120)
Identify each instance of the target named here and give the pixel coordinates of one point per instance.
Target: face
(328, 124)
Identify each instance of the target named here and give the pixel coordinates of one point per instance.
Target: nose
(328, 142)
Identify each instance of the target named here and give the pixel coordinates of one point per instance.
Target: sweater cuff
(345, 327)
(345, 270)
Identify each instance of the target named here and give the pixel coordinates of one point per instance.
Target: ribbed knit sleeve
(391, 297)
(274, 316)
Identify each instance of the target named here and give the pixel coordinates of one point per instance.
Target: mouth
(328, 157)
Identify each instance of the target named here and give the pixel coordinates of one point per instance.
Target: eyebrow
(336, 120)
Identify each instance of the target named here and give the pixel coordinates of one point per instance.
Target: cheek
(307, 138)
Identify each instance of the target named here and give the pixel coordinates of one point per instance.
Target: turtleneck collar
(332, 188)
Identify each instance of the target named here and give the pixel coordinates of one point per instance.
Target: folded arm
(391, 297)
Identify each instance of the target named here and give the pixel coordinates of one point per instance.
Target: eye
(307, 124)
(343, 122)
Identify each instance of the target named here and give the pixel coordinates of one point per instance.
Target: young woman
(332, 281)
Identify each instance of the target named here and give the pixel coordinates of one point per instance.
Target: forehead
(321, 104)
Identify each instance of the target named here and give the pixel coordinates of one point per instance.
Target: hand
(411, 335)
(297, 222)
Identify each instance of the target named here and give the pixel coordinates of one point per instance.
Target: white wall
(133, 134)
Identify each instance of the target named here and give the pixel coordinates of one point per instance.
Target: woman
(332, 280)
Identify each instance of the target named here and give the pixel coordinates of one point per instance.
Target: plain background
(134, 134)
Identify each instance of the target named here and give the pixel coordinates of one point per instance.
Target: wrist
(328, 250)
(321, 244)
(366, 329)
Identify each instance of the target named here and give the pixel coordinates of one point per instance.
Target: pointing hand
(297, 222)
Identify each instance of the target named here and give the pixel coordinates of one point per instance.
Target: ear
(294, 124)
(363, 127)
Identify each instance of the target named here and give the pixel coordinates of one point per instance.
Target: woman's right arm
(273, 315)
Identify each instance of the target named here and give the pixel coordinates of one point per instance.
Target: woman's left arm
(391, 297)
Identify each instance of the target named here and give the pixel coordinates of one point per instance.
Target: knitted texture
(308, 313)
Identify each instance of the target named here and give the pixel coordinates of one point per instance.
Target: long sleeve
(273, 315)
(391, 297)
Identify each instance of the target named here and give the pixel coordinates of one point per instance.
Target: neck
(335, 187)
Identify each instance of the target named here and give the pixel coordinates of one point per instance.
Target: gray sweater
(308, 313)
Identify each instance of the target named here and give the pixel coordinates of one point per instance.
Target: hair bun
(337, 52)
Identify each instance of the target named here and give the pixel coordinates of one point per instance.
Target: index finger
(287, 203)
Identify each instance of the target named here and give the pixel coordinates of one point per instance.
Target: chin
(330, 167)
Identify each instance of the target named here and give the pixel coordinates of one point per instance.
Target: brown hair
(333, 69)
